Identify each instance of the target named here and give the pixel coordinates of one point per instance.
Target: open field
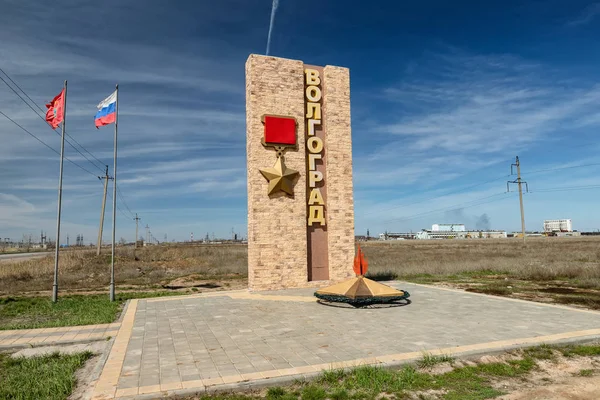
(540, 259)
(558, 270)
(145, 268)
(5, 257)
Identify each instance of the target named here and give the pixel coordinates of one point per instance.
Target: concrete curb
(12, 347)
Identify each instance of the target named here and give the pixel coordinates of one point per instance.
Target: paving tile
(170, 386)
(149, 389)
(199, 341)
(195, 384)
(127, 392)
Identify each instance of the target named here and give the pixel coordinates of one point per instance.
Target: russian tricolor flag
(107, 111)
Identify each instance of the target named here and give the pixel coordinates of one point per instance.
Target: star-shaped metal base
(280, 177)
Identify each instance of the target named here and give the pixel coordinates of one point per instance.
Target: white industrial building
(448, 228)
(428, 235)
(445, 231)
(558, 225)
(396, 236)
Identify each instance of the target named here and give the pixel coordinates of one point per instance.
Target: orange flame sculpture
(361, 264)
(361, 291)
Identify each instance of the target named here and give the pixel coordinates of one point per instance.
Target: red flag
(55, 113)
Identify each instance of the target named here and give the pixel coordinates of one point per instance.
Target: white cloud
(587, 15)
(459, 119)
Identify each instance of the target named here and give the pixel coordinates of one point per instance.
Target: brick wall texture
(277, 243)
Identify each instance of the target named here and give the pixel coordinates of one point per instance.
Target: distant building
(448, 228)
(428, 235)
(396, 236)
(558, 225)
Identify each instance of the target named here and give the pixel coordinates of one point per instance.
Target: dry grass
(576, 260)
(549, 270)
(148, 267)
(539, 259)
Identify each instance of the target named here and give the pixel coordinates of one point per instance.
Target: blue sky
(444, 95)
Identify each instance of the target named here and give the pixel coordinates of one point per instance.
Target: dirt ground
(570, 388)
(558, 380)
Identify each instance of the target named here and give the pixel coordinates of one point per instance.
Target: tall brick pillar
(283, 250)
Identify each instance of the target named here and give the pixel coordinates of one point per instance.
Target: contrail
(273, 11)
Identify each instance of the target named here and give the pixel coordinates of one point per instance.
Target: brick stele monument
(299, 155)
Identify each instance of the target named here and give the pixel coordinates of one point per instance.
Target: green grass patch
(430, 360)
(313, 392)
(586, 372)
(382, 275)
(70, 310)
(46, 377)
(494, 289)
(541, 352)
(482, 273)
(422, 278)
(275, 393)
(580, 350)
(472, 382)
(583, 299)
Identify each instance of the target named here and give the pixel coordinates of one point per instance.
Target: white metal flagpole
(60, 179)
(114, 218)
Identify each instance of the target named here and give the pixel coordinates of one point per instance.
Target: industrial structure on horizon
(558, 225)
(552, 227)
(448, 228)
(445, 231)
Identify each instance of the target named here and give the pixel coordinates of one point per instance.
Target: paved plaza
(179, 345)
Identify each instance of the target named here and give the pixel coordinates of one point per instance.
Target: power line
(31, 134)
(566, 188)
(118, 208)
(467, 204)
(44, 119)
(441, 195)
(123, 213)
(45, 144)
(123, 200)
(15, 83)
(86, 150)
(561, 168)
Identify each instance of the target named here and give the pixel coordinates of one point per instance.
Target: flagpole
(114, 219)
(60, 179)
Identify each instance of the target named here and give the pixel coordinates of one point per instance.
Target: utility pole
(136, 229)
(519, 182)
(105, 178)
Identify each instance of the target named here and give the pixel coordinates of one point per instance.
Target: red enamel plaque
(280, 130)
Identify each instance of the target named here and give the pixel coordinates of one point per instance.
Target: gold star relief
(280, 177)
